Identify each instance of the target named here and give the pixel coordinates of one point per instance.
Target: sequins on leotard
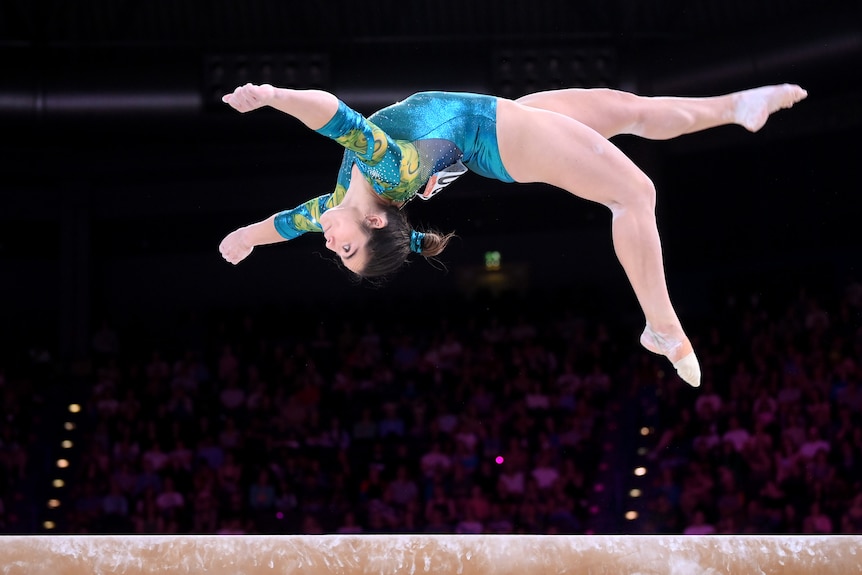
(400, 147)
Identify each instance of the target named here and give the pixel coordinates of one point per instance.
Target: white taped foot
(753, 107)
(688, 368)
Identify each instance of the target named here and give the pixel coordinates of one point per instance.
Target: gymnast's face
(345, 230)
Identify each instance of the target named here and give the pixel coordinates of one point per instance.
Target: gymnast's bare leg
(538, 145)
(612, 112)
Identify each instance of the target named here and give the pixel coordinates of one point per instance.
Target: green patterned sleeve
(372, 146)
(306, 216)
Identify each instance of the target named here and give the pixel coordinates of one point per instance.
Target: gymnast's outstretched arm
(325, 114)
(283, 226)
(314, 108)
(238, 244)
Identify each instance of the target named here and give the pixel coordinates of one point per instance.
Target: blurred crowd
(447, 426)
(461, 422)
(772, 442)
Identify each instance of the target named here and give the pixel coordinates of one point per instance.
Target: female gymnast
(419, 145)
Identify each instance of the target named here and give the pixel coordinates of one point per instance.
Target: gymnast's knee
(639, 196)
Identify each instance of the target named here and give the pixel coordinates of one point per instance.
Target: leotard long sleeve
(403, 148)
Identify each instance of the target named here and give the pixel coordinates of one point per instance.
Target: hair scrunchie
(416, 241)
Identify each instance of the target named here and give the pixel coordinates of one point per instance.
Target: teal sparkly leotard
(419, 144)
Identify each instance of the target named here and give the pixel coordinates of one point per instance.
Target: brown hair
(389, 247)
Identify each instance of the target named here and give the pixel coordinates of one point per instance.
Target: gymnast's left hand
(249, 97)
(234, 248)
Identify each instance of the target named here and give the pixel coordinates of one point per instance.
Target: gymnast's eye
(345, 248)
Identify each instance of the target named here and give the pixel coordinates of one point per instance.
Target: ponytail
(433, 243)
(390, 246)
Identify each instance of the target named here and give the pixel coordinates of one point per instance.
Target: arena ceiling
(174, 57)
(106, 89)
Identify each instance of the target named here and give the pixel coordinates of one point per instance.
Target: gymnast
(561, 137)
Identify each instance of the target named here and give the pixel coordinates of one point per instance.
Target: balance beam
(438, 554)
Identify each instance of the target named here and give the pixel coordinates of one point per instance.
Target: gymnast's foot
(677, 349)
(752, 107)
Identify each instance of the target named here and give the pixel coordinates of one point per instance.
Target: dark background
(120, 170)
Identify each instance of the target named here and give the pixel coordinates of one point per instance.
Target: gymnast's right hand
(234, 248)
(249, 97)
